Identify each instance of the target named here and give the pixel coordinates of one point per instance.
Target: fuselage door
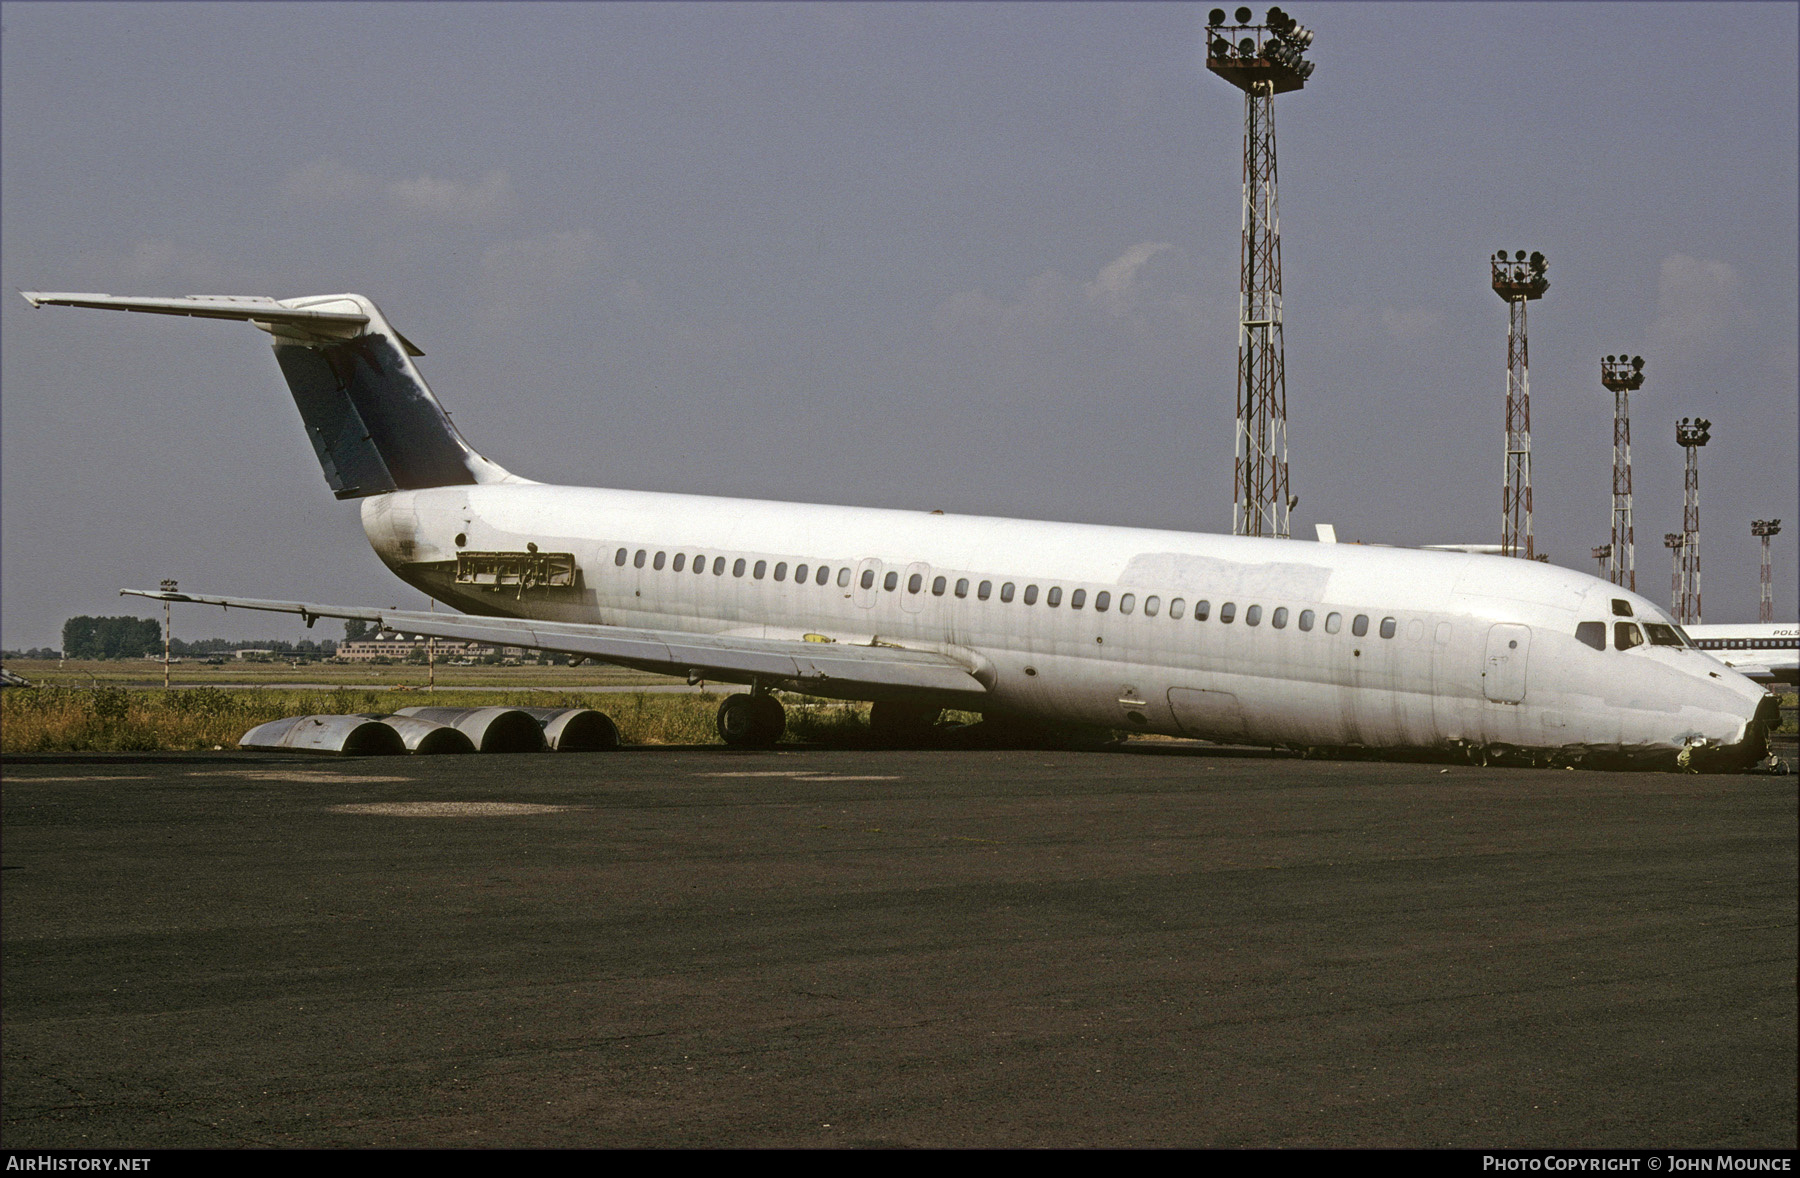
(867, 582)
(914, 587)
(1503, 670)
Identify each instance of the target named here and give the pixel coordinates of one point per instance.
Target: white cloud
(1146, 295)
(1410, 324)
(1695, 302)
(451, 200)
(525, 276)
(328, 183)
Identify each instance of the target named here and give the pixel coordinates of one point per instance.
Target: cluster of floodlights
(1288, 41)
(1693, 432)
(1521, 268)
(1623, 372)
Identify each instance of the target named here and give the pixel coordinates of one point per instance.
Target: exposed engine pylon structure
(1518, 281)
(1691, 434)
(1623, 376)
(1763, 529)
(1262, 61)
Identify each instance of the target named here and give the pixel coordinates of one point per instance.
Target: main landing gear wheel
(751, 721)
(897, 722)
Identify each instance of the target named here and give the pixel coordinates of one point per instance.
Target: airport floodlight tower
(1517, 281)
(1691, 434)
(1623, 376)
(1263, 61)
(1675, 542)
(1603, 554)
(1763, 529)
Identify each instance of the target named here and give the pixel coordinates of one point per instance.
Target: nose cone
(1749, 746)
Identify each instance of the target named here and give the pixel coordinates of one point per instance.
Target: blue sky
(972, 257)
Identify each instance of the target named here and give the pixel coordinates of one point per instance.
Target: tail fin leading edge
(372, 420)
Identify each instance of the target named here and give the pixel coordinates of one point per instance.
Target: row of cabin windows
(1053, 597)
(821, 575)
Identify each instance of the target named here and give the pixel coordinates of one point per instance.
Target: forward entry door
(1503, 670)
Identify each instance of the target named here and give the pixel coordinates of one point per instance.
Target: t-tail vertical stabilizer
(371, 418)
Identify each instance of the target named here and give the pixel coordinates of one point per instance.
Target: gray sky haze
(980, 258)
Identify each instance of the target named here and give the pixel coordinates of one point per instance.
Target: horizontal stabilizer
(820, 667)
(247, 308)
(372, 422)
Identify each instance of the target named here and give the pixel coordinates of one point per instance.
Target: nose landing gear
(751, 720)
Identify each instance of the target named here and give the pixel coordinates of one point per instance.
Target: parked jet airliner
(1245, 640)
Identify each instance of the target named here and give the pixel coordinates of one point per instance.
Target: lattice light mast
(1262, 61)
(1691, 434)
(1675, 542)
(1518, 281)
(1624, 377)
(1763, 529)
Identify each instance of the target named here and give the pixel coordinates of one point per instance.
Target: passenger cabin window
(762, 566)
(1054, 597)
(1152, 605)
(1006, 591)
(937, 586)
(1626, 636)
(1202, 610)
(1306, 619)
(1078, 599)
(1621, 608)
(1228, 611)
(719, 566)
(1127, 602)
(890, 582)
(1279, 618)
(1360, 626)
(868, 578)
(1334, 623)
(985, 588)
(680, 561)
(737, 568)
(1253, 615)
(637, 562)
(619, 558)
(1102, 601)
(1031, 595)
(1387, 627)
(1661, 635)
(1592, 633)
(781, 570)
(962, 586)
(1177, 608)
(913, 582)
(661, 558)
(800, 571)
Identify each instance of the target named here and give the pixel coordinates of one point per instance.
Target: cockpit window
(1661, 635)
(1621, 608)
(1592, 633)
(1626, 636)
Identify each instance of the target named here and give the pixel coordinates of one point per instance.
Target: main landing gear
(751, 720)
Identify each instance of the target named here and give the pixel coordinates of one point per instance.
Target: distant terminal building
(400, 647)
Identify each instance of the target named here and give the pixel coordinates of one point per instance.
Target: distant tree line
(131, 638)
(110, 638)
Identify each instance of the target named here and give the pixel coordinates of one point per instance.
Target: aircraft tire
(751, 721)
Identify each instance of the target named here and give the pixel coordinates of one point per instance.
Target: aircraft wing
(822, 668)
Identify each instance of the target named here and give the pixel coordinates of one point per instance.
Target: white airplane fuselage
(1271, 642)
(1457, 651)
